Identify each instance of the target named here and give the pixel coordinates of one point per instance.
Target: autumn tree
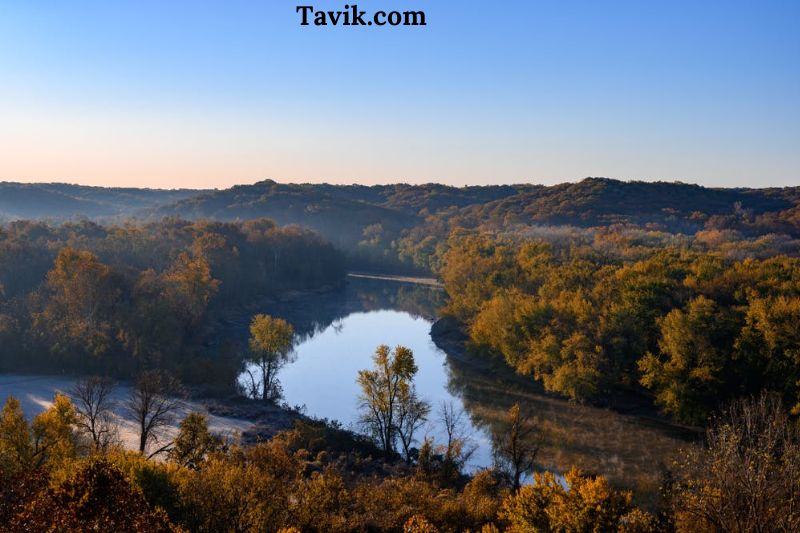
(53, 432)
(688, 375)
(747, 475)
(194, 441)
(49, 440)
(412, 412)
(457, 448)
(94, 404)
(382, 390)
(271, 343)
(478, 266)
(516, 445)
(96, 498)
(16, 448)
(189, 287)
(588, 504)
(82, 294)
(768, 347)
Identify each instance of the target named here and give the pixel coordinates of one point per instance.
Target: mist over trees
(115, 300)
(404, 227)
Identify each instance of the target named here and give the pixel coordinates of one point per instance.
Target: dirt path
(36, 393)
(428, 282)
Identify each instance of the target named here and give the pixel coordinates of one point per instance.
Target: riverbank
(449, 337)
(630, 446)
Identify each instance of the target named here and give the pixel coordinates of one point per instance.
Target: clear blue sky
(207, 94)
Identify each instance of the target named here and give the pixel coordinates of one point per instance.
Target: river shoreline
(448, 335)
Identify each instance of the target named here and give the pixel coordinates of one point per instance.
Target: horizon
(395, 183)
(198, 95)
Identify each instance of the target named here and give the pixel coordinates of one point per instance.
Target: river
(339, 331)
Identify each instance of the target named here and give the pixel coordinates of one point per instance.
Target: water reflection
(323, 377)
(339, 331)
(629, 450)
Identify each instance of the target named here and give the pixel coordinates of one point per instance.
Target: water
(323, 375)
(338, 333)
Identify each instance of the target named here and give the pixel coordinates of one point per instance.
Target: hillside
(674, 207)
(59, 201)
(382, 224)
(340, 213)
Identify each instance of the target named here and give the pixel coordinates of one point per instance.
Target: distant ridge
(60, 201)
(351, 214)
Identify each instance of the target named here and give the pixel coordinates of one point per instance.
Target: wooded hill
(371, 222)
(60, 201)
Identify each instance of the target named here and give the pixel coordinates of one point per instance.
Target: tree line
(690, 329)
(90, 298)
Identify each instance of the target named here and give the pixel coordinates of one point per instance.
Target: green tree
(271, 344)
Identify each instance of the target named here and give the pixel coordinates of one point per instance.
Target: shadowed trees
(94, 402)
(80, 311)
(516, 446)
(195, 442)
(747, 475)
(114, 299)
(153, 402)
(96, 498)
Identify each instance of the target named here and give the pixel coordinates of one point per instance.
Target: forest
(692, 329)
(672, 299)
(119, 299)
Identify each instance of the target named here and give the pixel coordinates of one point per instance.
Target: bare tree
(94, 404)
(412, 412)
(747, 476)
(458, 449)
(516, 445)
(153, 403)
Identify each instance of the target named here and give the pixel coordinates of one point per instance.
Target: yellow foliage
(419, 524)
(588, 505)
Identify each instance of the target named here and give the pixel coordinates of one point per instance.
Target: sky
(207, 94)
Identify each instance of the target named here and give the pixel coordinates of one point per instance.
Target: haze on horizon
(207, 95)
